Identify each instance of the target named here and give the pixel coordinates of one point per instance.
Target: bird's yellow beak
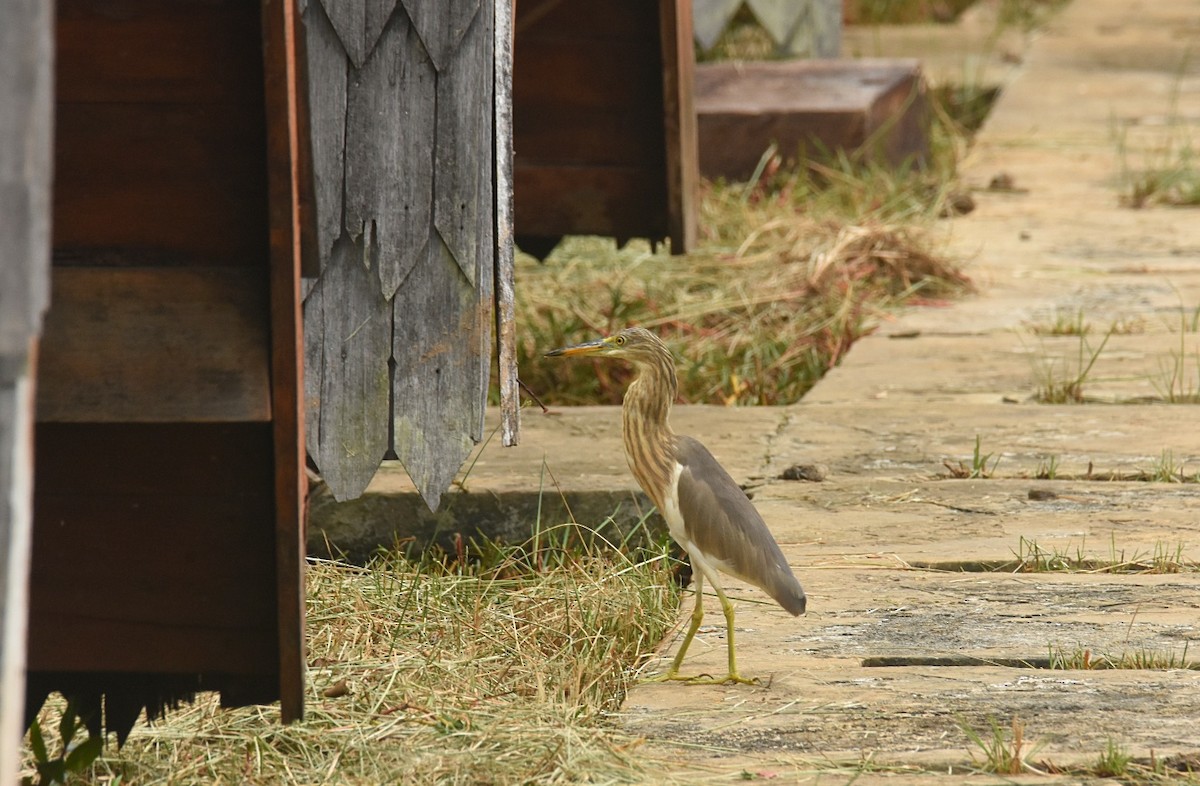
(587, 348)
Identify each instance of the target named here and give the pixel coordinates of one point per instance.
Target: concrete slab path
(879, 544)
(1108, 85)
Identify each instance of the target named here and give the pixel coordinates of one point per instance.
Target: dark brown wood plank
(146, 541)
(150, 543)
(588, 101)
(285, 173)
(570, 74)
(898, 121)
(679, 121)
(148, 51)
(173, 460)
(156, 344)
(585, 20)
(390, 122)
(601, 137)
(152, 647)
(183, 180)
(592, 132)
(159, 143)
(614, 201)
(306, 188)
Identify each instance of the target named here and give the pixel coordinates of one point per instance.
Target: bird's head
(634, 344)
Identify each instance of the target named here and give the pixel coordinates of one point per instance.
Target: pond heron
(706, 512)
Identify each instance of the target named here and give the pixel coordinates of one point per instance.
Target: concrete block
(807, 105)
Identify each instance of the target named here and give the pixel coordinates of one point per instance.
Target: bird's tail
(787, 592)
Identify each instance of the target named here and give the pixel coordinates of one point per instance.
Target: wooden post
(506, 321)
(286, 173)
(399, 324)
(16, 525)
(679, 119)
(26, 128)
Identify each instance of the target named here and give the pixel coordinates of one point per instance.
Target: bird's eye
(619, 341)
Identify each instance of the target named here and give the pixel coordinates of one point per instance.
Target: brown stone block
(804, 106)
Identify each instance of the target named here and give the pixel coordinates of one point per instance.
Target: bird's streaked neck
(649, 440)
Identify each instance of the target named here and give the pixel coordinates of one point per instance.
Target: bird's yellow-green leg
(697, 618)
(733, 675)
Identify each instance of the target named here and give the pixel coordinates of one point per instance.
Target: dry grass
(501, 672)
(789, 274)
(790, 269)
(900, 12)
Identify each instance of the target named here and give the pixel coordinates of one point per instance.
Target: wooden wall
(603, 132)
(156, 491)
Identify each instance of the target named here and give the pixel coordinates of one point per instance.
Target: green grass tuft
(1113, 761)
(1168, 172)
(1002, 751)
(979, 464)
(1030, 557)
(1060, 381)
(1064, 323)
(1084, 659)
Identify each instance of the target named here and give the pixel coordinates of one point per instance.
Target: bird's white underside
(709, 567)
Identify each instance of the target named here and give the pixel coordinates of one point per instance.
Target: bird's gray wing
(720, 519)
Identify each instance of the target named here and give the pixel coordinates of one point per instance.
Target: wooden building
(204, 153)
(168, 473)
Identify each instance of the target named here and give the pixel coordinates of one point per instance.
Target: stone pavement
(1108, 83)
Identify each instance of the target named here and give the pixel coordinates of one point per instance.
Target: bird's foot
(731, 678)
(702, 679)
